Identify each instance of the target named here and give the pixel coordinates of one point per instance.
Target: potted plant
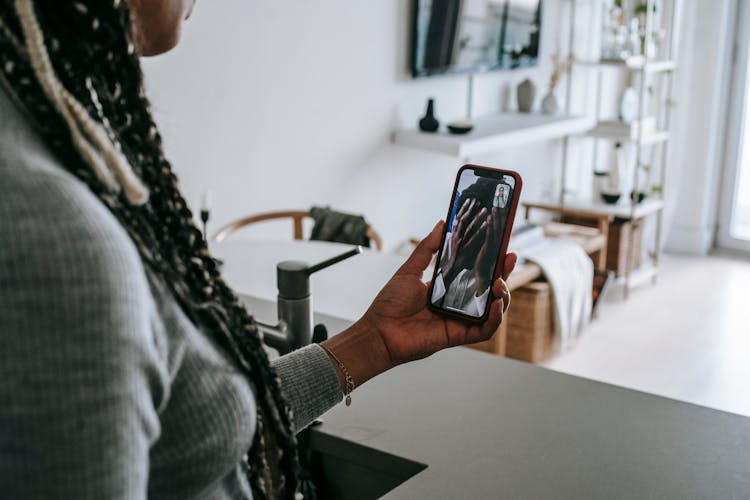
(559, 67)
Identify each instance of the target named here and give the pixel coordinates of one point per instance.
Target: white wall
(290, 103)
(700, 117)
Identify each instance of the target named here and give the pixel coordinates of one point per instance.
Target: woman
(470, 251)
(501, 197)
(127, 367)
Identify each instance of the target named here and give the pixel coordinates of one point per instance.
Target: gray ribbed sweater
(107, 390)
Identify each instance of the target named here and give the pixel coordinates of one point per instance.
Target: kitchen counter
(465, 424)
(489, 427)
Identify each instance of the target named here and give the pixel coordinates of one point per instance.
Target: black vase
(429, 123)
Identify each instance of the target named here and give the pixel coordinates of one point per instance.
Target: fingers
(496, 222)
(464, 213)
(480, 232)
(422, 255)
(483, 220)
(475, 223)
(500, 289)
(509, 264)
(465, 207)
(494, 318)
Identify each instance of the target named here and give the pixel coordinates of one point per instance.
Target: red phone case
(503, 247)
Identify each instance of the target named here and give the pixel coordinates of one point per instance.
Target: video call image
(476, 225)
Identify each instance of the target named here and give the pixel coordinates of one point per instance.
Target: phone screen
(476, 226)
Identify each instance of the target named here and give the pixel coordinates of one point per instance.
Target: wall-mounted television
(465, 36)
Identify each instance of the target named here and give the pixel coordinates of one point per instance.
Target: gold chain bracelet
(347, 377)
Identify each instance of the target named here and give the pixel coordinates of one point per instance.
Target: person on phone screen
(470, 250)
(501, 196)
(130, 369)
(500, 204)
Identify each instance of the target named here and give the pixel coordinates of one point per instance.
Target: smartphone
(475, 240)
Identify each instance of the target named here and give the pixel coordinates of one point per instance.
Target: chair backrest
(297, 217)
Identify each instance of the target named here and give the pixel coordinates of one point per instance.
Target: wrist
(361, 351)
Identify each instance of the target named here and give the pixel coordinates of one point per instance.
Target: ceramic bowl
(610, 198)
(638, 197)
(460, 127)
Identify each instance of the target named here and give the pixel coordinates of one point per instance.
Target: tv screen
(461, 36)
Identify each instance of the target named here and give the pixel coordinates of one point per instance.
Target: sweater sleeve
(80, 377)
(309, 383)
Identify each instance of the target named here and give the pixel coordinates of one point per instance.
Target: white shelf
(605, 132)
(622, 210)
(634, 63)
(660, 66)
(495, 132)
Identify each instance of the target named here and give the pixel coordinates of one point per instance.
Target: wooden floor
(687, 337)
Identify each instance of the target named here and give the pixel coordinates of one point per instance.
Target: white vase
(629, 105)
(525, 94)
(549, 104)
(620, 172)
(600, 184)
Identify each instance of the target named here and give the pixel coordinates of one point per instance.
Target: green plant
(641, 9)
(559, 68)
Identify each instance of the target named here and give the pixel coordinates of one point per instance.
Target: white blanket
(570, 273)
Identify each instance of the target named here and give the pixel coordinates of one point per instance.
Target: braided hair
(72, 66)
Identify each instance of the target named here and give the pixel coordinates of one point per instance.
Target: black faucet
(294, 329)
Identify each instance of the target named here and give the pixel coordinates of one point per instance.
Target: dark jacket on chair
(340, 227)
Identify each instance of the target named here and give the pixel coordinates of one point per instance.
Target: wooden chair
(297, 217)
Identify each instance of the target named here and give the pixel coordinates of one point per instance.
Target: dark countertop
(490, 427)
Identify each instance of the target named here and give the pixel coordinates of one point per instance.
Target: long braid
(56, 93)
(91, 53)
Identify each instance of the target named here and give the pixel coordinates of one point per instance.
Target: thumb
(509, 264)
(422, 255)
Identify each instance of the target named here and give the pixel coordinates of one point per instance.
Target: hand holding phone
(404, 323)
(480, 220)
(400, 325)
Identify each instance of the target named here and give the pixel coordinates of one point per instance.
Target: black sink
(347, 470)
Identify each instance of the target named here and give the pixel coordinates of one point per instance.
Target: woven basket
(531, 334)
(620, 232)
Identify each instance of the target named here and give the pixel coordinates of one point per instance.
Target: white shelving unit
(496, 132)
(662, 68)
(599, 131)
(622, 210)
(499, 131)
(633, 63)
